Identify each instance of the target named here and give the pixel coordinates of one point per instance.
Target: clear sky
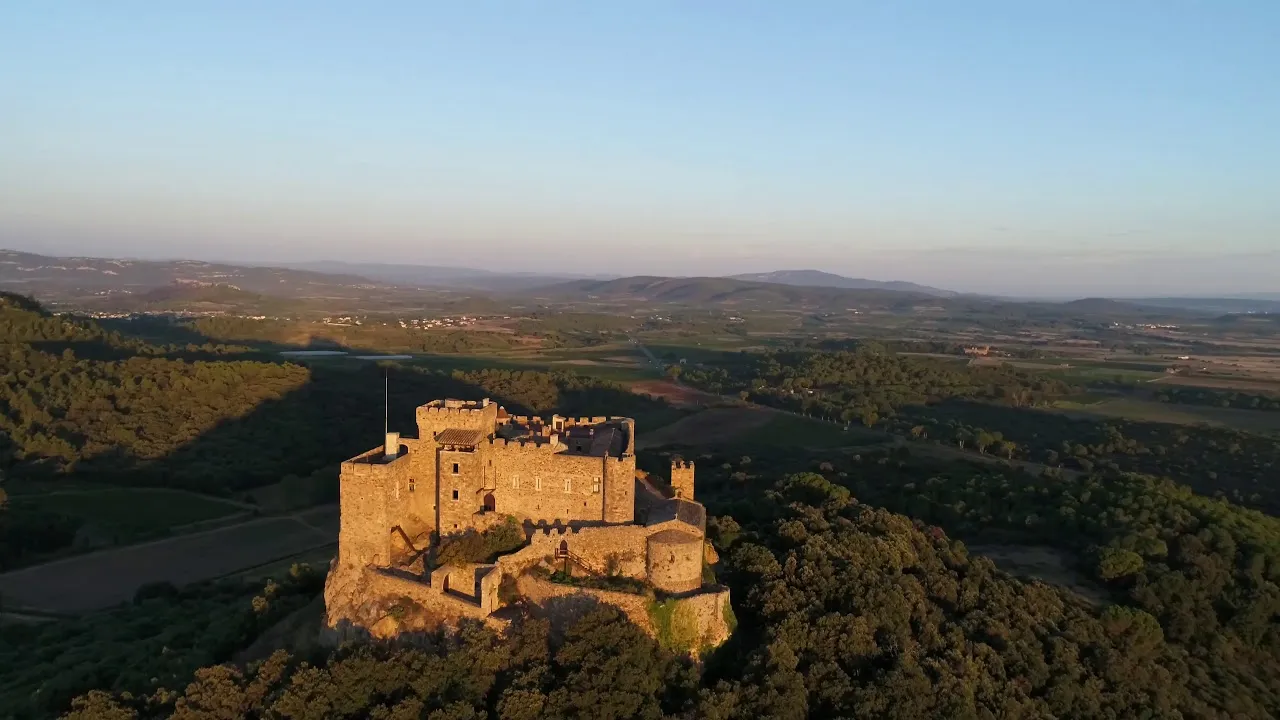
(1030, 146)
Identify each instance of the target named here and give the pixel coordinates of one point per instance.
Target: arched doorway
(490, 502)
(563, 550)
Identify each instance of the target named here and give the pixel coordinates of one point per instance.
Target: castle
(570, 482)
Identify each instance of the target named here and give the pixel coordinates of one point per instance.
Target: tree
(1117, 563)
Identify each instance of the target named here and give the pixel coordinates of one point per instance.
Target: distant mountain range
(439, 276)
(818, 278)
(337, 284)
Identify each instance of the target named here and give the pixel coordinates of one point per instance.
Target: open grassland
(1176, 413)
(1068, 369)
(1243, 384)
(693, 351)
(716, 426)
(103, 579)
(755, 426)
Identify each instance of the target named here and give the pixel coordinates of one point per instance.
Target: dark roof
(686, 511)
(460, 436)
(673, 537)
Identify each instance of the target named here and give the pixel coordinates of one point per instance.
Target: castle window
(568, 485)
(537, 483)
(515, 482)
(455, 468)
(595, 485)
(455, 493)
(410, 484)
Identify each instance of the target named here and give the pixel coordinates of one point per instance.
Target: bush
(473, 547)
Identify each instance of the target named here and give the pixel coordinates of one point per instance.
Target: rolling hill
(728, 292)
(43, 275)
(818, 278)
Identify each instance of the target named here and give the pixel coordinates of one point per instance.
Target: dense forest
(864, 384)
(1213, 460)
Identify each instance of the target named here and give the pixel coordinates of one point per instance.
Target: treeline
(157, 641)
(865, 384)
(845, 611)
(1215, 461)
(1218, 398)
(937, 347)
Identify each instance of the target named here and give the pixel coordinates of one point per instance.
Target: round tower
(674, 561)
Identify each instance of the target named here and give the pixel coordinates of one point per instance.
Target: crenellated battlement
(678, 464)
(373, 462)
(538, 443)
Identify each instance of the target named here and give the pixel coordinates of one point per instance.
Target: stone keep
(472, 465)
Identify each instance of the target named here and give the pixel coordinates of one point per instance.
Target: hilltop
(818, 278)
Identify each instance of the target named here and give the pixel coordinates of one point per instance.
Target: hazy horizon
(1094, 149)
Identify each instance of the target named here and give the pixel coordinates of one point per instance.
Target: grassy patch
(676, 625)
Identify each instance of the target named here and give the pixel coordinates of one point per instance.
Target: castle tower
(682, 478)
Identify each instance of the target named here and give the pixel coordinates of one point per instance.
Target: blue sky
(1048, 147)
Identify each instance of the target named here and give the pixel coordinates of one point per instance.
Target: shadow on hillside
(336, 414)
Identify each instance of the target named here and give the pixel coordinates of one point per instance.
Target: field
(118, 516)
(755, 426)
(675, 394)
(102, 579)
(1270, 387)
(709, 427)
(1176, 413)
